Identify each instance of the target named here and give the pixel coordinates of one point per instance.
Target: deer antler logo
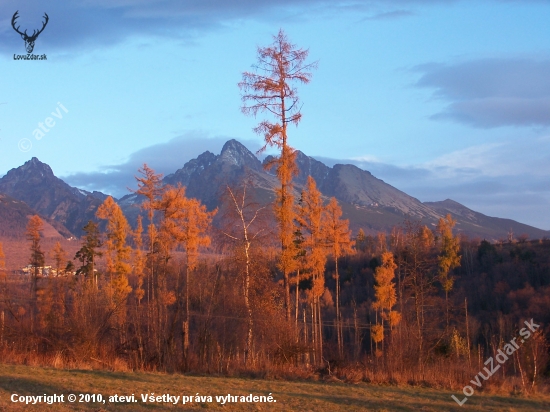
(29, 40)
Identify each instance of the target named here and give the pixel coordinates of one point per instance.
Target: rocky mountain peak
(33, 169)
(35, 184)
(236, 154)
(191, 168)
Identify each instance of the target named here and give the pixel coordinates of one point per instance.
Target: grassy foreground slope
(289, 396)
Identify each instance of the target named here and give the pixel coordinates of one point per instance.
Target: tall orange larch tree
(150, 186)
(117, 253)
(60, 258)
(310, 217)
(385, 295)
(187, 222)
(449, 258)
(338, 236)
(271, 89)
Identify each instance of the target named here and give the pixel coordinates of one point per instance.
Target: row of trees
(165, 307)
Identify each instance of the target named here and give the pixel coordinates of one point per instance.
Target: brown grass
(290, 395)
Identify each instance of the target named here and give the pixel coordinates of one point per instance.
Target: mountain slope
(14, 216)
(480, 225)
(35, 184)
(358, 187)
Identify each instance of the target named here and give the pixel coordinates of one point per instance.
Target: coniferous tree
(60, 258)
(150, 186)
(310, 217)
(360, 240)
(34, 228)
(384, 291)
(301, 267)
(88, 253)
(414, 246)
(69, 268)
(338, 237)
(271, 89)
(448, 259)
(186, 221)
(117, 252)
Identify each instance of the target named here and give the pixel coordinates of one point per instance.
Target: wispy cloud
(490, 93)
(480, 159)
(390, 15)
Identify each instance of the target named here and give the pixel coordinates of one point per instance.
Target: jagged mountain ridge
(367, 201)
(206, 176)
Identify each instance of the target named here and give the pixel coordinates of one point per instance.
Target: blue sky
(442, 99)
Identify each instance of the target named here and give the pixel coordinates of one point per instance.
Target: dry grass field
(289, 395)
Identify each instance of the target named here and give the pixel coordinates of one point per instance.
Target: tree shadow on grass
(25, 386)
(422, 402)
(31, 387)
(100, 374)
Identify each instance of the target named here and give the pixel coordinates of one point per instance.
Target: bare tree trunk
(357, 348)
(535, 351)
(247, 238)
(338, 317)
(320, 332)
(186, 345)
(287, 295)
(314, 331)
(306, 359)
(186, 323)
(297, 298)
(247, 304)
(419, 323)
(520, 371)
(467, 331)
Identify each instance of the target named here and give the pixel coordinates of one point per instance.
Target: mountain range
(367, 201)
